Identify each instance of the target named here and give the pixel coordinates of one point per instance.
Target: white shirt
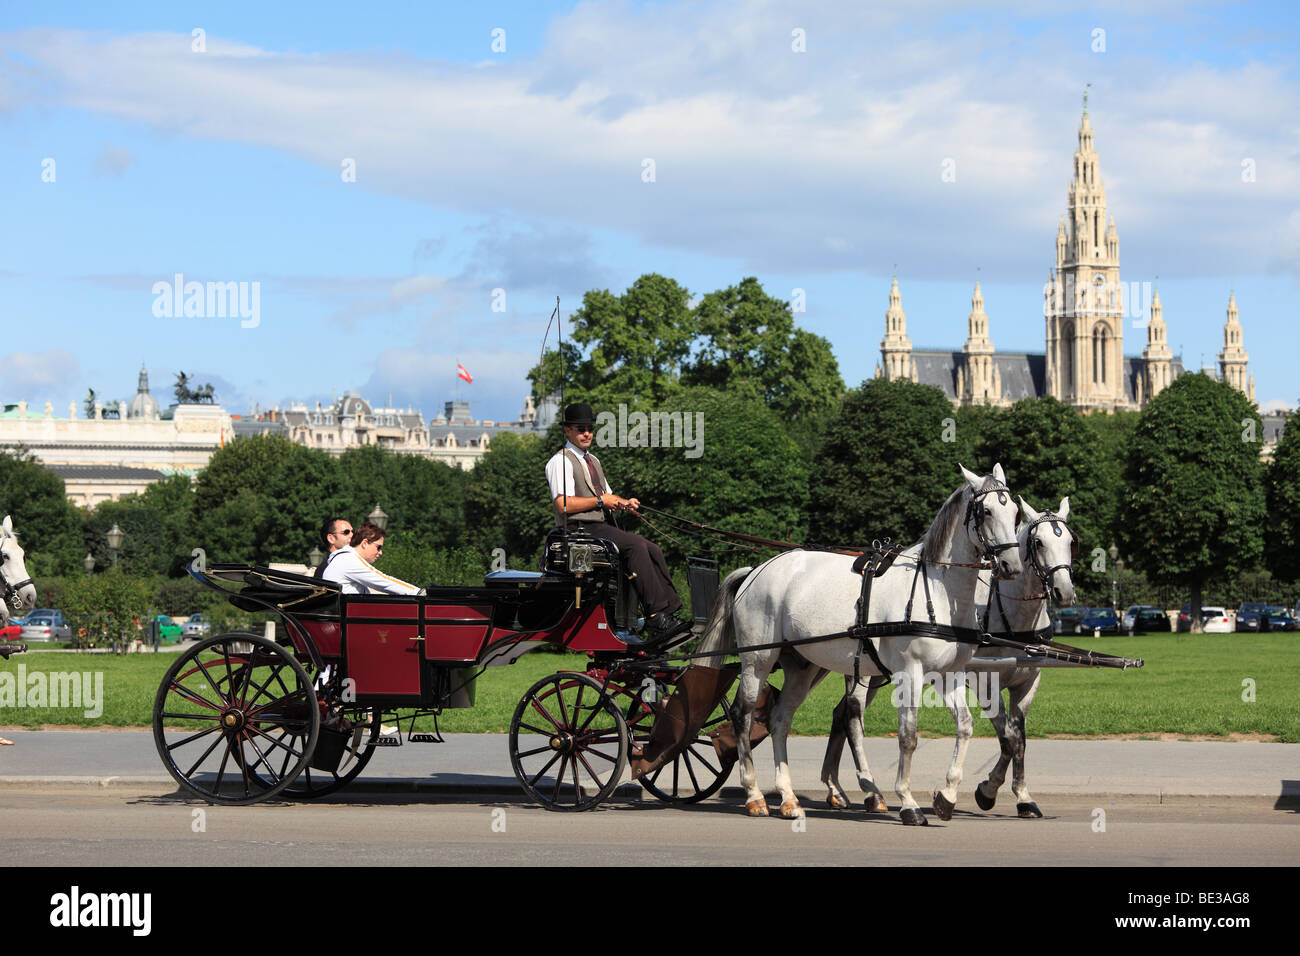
(559, 475)
(357, 576)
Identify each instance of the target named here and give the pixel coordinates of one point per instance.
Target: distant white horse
(801, 596)
(19, 593)
(1049, 547)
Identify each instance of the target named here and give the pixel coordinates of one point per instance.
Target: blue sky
(522, 169)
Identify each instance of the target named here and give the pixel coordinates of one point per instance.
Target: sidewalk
(1150, 771)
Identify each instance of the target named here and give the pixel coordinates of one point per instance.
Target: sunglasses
(582, 429)
(344, 531)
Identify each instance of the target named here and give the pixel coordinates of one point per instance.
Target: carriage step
(425, 739)
(388, 740)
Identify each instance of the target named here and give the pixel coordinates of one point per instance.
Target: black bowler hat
(579, 413)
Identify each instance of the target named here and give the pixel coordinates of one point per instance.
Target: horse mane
(953, 512)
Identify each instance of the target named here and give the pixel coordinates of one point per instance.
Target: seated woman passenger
(351, 567)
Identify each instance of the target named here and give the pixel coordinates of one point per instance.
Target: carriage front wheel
(568, 742)
(235, 719)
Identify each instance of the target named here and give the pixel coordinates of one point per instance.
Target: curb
(633, 792)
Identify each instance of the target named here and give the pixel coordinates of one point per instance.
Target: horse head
(19, 592)
(990, 521)
(1050, 547)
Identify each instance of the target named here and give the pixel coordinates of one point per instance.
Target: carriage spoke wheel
(568, 742)
(235, 719)
(696, 773)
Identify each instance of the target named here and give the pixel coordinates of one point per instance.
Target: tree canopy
(1193, 501)
(1282, 496)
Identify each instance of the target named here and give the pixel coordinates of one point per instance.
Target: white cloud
(825, 160)
(37, 376)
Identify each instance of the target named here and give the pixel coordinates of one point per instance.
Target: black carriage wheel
(696, 773)
(568, 742)
(312, 783)
(235, 719)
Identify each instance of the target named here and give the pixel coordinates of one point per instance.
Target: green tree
(740, 470)
(424, 499)
(1049, 452)
(113, 601)
(507, 502)
(888, 463)
(1282, 496)
(1193, 506)
(48, 526)
(157, 524)
(263, 499)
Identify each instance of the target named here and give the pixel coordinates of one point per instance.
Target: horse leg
(909, 701)
(986, 793)
(836, 799)
(1021, 698)
(754, 671)
(954, 695)
(800, 678)
(861, 699)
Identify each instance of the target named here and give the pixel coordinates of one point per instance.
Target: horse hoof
(1029, 811)
(836, 802)
(756, 808)
(942, 807)
(791, 810)
(913, 817)
(983, 802)
(875, 804)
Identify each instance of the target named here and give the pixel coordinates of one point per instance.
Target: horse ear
(1027, 508)
(8, 525)
(1064, 509)
(972, 479)
(999, 474)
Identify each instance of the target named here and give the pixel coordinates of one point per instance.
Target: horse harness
(1042, 634)
(10, 592)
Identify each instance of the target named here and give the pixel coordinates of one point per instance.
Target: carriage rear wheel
(235, 719)
(568, 742)
(697, 772)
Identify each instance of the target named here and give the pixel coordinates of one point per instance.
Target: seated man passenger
(579, 489)
(351, 566)
(335, 533)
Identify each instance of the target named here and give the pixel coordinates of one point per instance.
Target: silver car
(46, 624)
(196, 628)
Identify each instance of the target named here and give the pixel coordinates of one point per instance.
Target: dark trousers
(646, 561)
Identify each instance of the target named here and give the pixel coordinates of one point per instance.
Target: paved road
(148, 826)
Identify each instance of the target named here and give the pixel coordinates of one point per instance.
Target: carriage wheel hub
(233, 720)
(562, 742)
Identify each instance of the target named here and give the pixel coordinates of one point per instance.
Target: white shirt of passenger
(358, 576)
(559, 474)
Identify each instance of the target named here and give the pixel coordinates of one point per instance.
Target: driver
(579, 489)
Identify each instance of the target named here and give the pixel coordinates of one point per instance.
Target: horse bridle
(1045, 575)
(10, 593)
(975, 510)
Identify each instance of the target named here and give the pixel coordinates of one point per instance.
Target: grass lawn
(1191, 684)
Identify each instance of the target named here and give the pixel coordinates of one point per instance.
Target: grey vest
(582, 489)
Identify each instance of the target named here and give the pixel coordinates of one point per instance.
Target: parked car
(1207, 611)
(196, 628)
(1103, 619)
(1130, 615)
(1249, 616)
(46, 624)
(1282, 619)
(1215, 620)
(1148, 620)
(1065, 620)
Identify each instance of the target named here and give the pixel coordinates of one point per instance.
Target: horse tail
(719, 636)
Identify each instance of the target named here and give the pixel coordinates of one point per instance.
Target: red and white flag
(461, 373)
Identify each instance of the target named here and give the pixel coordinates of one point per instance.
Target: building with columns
(1083, 364)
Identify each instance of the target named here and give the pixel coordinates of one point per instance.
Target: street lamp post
(314, 557)
(378, 518)
(115, 536)
(1114, 580)
(89, 564)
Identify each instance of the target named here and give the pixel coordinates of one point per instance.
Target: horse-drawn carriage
(240, 718)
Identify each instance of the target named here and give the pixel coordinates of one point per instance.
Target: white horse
(1049, 547)
(802, 596)
(19, 593)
